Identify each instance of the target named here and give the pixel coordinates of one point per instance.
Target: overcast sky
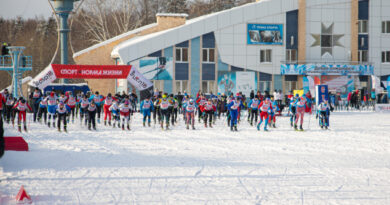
(24, 8)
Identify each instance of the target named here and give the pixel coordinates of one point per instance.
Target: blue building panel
(292, 29)
(181, 71)
(183, 44)
(156, 54)
(278, 84)
(234, 69)
(363, 9)
(208, 71)
(195, 65)
(265, 77)
(168, 52)
(363, 42)
(208, 40)
(222, 66)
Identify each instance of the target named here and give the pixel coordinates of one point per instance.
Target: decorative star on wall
(327, 39)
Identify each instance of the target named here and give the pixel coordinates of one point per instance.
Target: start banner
(54, 71)
(91, 71)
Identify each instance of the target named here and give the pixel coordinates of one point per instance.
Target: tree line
(95, 22)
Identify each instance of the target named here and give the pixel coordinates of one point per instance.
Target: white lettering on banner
(382, 108)
(44, 79)
(68, 71)
(138, 80)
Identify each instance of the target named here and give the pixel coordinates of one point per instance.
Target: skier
(265, 109)
(114, 109)
(42, 111)
(233, 107)
(98, 99)
(190, 109)
(253, 105)
(62, 110)
(301, 106)
(324, 112)
(21, 106)
(51, 107)
(9, 111)
(146, 107)
(272, 116)
(200, 102)
(71, 103)
(36, 97)
(292, 109)
(91, 111)
(175, 105)
(107, 104)
(84, 103)
(208, 110)
(125, 109)
(165, 104)
(156, 110)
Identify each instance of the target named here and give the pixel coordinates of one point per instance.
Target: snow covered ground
(349, 164)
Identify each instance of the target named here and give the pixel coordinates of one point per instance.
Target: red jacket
(22, 107)
(208, 107)
(2, 100)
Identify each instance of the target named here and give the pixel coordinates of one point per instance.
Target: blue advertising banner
(226, 82)
(265, 34)
(321, 93)
(306, 86)
(388, 87)
(155, 68)
(326, 69)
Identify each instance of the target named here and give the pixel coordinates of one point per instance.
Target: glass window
(387, 56)
(363, 26)
(182, 54)
(363, 56)
(383, 57)
(211, 55)
(178, 54)
(266, 56)
(387, 26)
(205, 54)
(264, 86)
(291, 55)
(185, 54)
(204, 86)
(383, 27)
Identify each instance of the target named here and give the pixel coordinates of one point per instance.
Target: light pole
(63, 8)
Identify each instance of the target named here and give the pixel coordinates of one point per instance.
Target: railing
(6, 61)
(326, 62)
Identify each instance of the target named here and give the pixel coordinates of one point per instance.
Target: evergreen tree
(176, 6)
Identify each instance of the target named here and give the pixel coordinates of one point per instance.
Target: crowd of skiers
(58, 110)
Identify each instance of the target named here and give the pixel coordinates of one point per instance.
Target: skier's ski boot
(48, 124)
(273, 125)
(123, 126)
(167, 126)
(291, 123)
(162, 125)
(231, 128)
(105, 122)
(251, 123)
(144, 124)
(109, 122)
(265, 129)
(94, 127)
(65, 130)
(19, 128)
(188, 127)
(210, 125)
(193, 127)
(205, 124)
(98, 120)
(25, 128)
(295, 127)
(258, 127)
(128, 127)
(301, 128)
(235, 128)
(326, 127)
(59, 129)
(149, 124)
(322, 127)
(54, 124)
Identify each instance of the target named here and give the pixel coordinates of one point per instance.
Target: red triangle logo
(22, 195)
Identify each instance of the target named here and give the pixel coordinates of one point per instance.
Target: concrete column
(354, 29)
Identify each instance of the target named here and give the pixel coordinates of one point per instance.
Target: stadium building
(265, 45)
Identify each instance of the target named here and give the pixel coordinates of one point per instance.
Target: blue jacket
(151, 108)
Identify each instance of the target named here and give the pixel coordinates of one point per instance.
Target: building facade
(265, 45)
